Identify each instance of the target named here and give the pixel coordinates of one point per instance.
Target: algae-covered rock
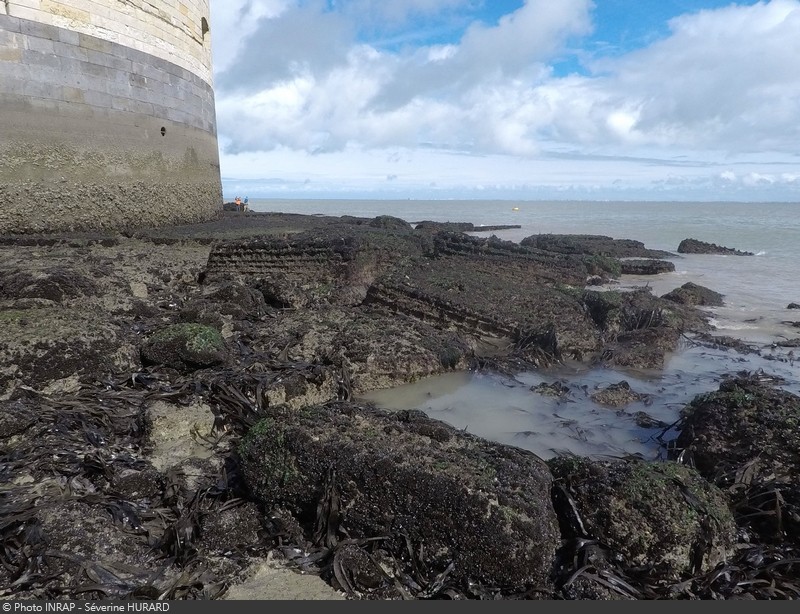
(389, 222)
(417, 483)
(618, 395)
(54, 283)
(649, 266)
(186, 347)
(694, 246)
(694, 294)
(656, 514)
(745, 420)
(745, 437)
(49, 348)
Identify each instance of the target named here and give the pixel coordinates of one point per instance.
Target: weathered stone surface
(642, 348)
(618, 395)
(598, 245)
(746, 438)
(89, 419)
(649, 266)
(655, 514)
(48, 347)
(638, 329)
(334, 265)
(694, 246)
(374, 348)
(744, 420)
(479, 297)
(389, 222)
(430, 226)
(186, 347)
(53, 284)
(694, 294)
(412, 480)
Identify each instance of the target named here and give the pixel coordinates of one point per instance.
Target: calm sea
(757, 291)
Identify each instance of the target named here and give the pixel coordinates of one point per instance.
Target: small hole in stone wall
(163, 131)
(204, 27)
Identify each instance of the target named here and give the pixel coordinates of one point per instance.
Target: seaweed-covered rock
(618, 395)
(54, 284)
(389, 222)
(746, 419)
(430, 226)
(186, 347)
(660, 515)
(694, 294)
(746, 438)
(422, 486)
(649, 266)
(694, 246)
(49, 348)
(598, 245)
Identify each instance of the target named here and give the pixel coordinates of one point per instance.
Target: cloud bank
(429, 94)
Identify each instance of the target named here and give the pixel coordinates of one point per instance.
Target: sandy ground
(271, 580)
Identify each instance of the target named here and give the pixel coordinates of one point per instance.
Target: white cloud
(723, 82)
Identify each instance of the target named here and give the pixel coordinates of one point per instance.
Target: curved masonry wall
(107, 115)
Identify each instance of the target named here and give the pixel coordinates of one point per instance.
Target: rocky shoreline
(178, 407)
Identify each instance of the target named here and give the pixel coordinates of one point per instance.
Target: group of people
(241, 205)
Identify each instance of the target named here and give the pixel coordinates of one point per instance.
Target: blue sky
(518, 99)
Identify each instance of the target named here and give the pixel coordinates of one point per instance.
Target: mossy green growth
(652, 512)
(12, 315)
(264, 448)
(603, 264)
(198, 337)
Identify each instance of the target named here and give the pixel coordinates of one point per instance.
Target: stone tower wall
(107, 116)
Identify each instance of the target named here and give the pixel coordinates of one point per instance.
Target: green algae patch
(483, 509)
(186, 347)
(662, 515)
(45, 344)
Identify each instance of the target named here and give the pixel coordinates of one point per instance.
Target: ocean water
(756, 291)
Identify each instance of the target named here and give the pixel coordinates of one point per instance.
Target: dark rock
(429, 226)
(744, 420)
(746, 437)
(656, 514)
(132, 484)
(491, 228)
(693, 246)
(185, 347)
(725, 341)
(693, 294)
(556, 389)
(54, 284)
(618, 395)
(236, 299)
(484, 507)
(793, 306)
(387, 221)
(595, 245)
(233, 528)
(332, 266)
(643, 348)
(646, 421)
(646, 267)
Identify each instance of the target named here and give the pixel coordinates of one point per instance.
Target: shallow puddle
(511, 411)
